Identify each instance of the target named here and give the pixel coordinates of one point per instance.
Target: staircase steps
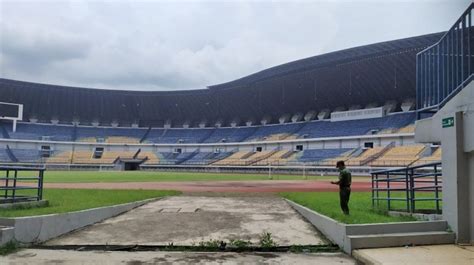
(401, 239)
(203, 139)
(12, 156)
(288, 154)
(379, 154)
(184, 159)
(74, 134)
(399, 234)
(145, 135)
(255, 160)
(247, 155)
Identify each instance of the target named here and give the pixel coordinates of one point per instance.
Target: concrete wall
(317, 143)
(353, 236)
(36, 229)
(331, 229)
(458, 163)
(6, 234)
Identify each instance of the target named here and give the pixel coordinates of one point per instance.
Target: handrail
(469, 8)
(411, 179)
(11, 184)
(446, 67)
(377, 155)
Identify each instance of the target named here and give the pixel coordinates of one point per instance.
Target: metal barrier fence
(413, 182)
(11, 181)
(444, 68)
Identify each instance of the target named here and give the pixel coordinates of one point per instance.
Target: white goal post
(12, 112)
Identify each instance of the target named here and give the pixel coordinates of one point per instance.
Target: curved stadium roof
(374, 73)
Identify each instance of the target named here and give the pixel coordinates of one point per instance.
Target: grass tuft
(266, 240)
(9, 248)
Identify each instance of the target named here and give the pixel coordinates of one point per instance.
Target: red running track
(220, 186)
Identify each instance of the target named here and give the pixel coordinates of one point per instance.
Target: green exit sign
(448, 122)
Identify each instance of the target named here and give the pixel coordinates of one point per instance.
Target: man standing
(344, 182)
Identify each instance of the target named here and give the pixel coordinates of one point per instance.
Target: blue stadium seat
(313, 129)
(318, 129)
(29, 131)
(205, 158)
(237, 134)
(316, 155)
(4, 157)
(26, 155)
(174, 135)
(263, 132)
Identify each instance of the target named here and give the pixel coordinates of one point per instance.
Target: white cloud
(184, 45)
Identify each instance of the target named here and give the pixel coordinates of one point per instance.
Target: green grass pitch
(69, 200)
(360, 204)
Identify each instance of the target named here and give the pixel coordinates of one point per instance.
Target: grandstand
(318, 155)
(282, 116)
(399, 156)
(312, 129)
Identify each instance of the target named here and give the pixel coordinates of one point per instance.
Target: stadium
(280, 131)
(290, 114)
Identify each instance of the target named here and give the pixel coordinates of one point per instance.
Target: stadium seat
(4, 157)
(30, 131)
(365, 156)
(316, 156)
(434, 157)
(60, 157)
(399, 156)
(318, 129)
(26, 155)
(122, 140)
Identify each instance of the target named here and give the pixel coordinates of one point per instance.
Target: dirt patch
(221, 186)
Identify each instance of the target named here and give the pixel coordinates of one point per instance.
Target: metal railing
(16, 187)
(446, 67)
(409, 185)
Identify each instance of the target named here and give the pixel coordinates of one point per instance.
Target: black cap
(340, 163)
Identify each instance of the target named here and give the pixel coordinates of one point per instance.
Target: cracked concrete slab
(40, 257)
(204, 218)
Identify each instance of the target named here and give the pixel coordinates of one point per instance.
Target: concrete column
(471, 190)
(456, 205)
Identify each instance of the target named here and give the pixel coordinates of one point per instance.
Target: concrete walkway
(187, 220)
(439, 254)
(40, 257)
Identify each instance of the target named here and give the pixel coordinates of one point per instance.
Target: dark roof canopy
(374, 73)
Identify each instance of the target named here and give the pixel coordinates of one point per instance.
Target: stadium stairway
(143, 139)
(11, 155)
(259, 156)
(288, 154)
(184, 159)
(296, 133)
(434, 156)
(74, 134)
(398, 235)
(378, 154)
(206, 136)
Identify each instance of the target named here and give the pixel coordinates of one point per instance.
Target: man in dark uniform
(344, 182)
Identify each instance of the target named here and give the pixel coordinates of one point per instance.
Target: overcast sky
(171, 45)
